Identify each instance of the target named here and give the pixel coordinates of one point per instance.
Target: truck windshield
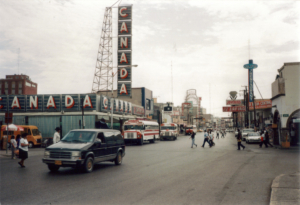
(133, 127)
(168, 128)
(79, 136)
(35, 132)
(189, 128)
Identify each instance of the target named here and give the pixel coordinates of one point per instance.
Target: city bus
(140, 131)
(168, 131)
(189, 129)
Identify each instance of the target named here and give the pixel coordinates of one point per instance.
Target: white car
(245, 133)
(253, 137)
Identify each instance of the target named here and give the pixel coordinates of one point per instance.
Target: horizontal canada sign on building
(234, 109)
(46, 103)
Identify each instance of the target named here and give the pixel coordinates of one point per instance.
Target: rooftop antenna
(172, 81)
(249, 47)
(18, 61)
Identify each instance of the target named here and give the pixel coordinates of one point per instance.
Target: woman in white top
(13, 143)
(23, 149)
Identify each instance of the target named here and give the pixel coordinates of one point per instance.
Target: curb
(285, 189)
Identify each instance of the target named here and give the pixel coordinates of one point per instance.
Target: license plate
(57, 162)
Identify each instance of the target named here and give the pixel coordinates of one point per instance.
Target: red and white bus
(168, 131)
(189, 129)
(140, 131)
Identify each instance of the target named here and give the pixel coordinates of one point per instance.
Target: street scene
(149, 102)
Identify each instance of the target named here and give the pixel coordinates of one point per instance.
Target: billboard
(250, 85)
(260, 104)
(124, 51)
(185, 105)
(234, 109)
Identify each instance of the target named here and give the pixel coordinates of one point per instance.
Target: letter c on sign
(105, 103)
(121, 10)
(123, 73)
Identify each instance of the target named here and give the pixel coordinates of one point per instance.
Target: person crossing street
(239, 139)
(193, 139)
(206, 139)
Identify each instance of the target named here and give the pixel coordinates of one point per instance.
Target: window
(13, 84)
(6, 85)
(0, 85)
(20, 91)
(6, 91)
(148, 103)
(13, 91)
(100, 136)
(20, 84)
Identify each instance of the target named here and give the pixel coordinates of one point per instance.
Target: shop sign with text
(234, 109)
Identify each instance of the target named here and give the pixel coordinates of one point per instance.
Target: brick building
(17, 85)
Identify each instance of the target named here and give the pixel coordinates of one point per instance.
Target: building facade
(286, 104)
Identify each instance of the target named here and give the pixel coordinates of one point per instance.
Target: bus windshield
(168, 128)
(133, 127)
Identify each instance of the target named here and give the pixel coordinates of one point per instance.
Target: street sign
(296, 120)
(250, 66)
(285, 115)
(234, 109)
(234, 102)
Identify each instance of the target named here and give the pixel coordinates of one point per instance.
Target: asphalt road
(167, 172)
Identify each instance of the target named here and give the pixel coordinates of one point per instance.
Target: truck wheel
(141, 142)
(118, 159)
(88, 165)
(53, 168)
(153, 141)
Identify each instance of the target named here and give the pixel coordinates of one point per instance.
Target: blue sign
(34, 103)
(89, 101)
(250, 85)
(52, 103)
(250, 68)
(17, 103)
(70, 102)
(3, 103)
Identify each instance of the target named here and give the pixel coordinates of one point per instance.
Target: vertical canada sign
(124, 50)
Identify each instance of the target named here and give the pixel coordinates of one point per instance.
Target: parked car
(253, 137)
(199, 130)
(83, 148)
(245, 133)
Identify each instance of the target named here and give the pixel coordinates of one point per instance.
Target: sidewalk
(285, 189)
(32, 152)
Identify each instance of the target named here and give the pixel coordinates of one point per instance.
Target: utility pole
(246, 103)
(82, 108)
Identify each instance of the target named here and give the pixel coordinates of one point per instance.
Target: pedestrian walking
(267, 138)
(263, 140)
(206, 139)
(222, 132)
(211, 138)
(14, 147)
(217, 135)
(23, 150)
(193, 139)
(239, 139)
(18, 141)
(56, 137)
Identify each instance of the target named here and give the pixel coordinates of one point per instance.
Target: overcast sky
(206, 41)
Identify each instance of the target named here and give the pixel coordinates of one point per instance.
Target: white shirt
(205, 135)
(56, 138)
(14, 142)
(23, 141)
